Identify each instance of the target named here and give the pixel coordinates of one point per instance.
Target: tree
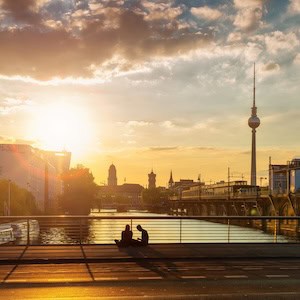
(22, 202)
(155, 199)
(79, 191)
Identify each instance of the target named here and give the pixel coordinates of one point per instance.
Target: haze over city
(143, 85)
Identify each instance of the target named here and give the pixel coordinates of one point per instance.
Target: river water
(104, 231)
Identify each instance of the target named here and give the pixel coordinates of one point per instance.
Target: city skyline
(165, 86)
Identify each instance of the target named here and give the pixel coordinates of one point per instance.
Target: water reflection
(175, 231)
(105, 231)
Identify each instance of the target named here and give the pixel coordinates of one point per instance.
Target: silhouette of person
(126, 237)
(144, 240)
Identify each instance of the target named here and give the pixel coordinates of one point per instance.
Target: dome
(253, 122)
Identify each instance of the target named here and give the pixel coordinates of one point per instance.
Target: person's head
(127, 227)
(139, 228)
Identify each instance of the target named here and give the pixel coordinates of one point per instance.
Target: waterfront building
(294, 167)
(128, 195)
(112, 176)
(151, 180)
(277, 179)
(285, 179)
(35, 170)
(253, 123)
(183, 184)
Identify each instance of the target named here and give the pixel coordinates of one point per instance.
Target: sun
(61, 127)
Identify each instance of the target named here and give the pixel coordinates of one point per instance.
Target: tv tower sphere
(254, 122)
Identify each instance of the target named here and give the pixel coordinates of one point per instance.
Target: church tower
(151, 180)
(171, 181)
(112, 176)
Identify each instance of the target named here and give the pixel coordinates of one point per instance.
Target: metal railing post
(28, 232)
(180, 231)
(275, 231)
(228, 230)
(80, 231)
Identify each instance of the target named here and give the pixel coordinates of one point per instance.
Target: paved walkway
(106, 253)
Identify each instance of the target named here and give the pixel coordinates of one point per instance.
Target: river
(104, 231)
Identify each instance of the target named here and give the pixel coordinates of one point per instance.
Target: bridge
(259, 202)
(188, 257)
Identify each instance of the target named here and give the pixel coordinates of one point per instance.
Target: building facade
(35, 170)
(278, 179)
(285, 179)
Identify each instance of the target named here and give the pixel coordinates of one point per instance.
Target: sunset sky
(152, 84)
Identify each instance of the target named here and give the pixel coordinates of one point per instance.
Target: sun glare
(62, 127)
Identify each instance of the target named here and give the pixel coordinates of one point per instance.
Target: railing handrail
(83, 229)
(151, 217)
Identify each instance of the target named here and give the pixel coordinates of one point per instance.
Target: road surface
(190, 279)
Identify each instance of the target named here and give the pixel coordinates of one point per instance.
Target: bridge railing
(65, 230)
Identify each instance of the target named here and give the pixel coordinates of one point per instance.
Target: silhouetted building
(171, 181)
(151, 180)
(35, 170)
(112, 176)
(177, 187)
(128, 195)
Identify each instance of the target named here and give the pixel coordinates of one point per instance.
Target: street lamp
(199, 186)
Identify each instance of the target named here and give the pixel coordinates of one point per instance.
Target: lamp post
(199, 186)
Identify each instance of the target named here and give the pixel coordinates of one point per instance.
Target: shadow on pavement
(15, 266)
(147, 252)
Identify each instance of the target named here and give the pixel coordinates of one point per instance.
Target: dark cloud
(21, 10)
(41, 54)
(271, 66)
(45, 52)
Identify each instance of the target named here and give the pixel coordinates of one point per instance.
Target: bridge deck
(105, 253)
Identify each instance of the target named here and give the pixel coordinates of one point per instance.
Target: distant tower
(152, 180)
(253, 122)
(112, 176)
(171, 182)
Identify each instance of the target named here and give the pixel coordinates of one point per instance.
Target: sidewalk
(109, 253)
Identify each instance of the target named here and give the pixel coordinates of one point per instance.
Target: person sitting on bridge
(126, 237)
(144, 240)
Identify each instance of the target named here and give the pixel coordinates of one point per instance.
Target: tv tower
(253, 122)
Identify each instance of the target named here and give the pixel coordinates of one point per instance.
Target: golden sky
(152, 84)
